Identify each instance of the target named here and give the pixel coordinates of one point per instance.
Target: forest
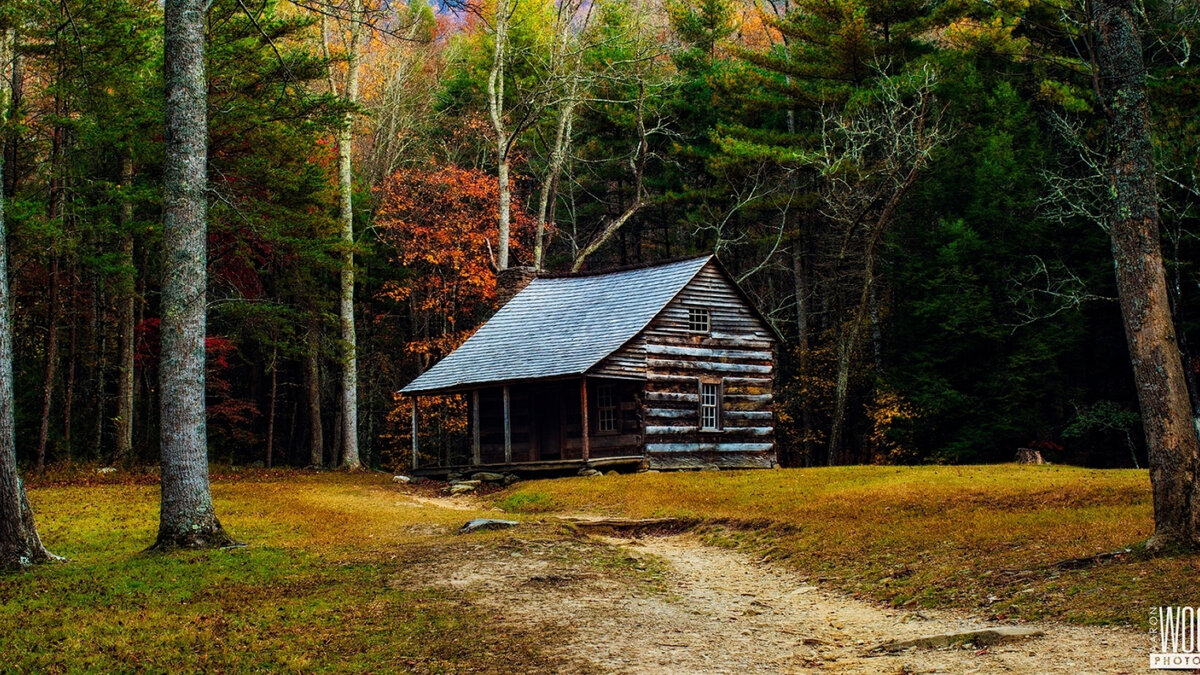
(912, 191)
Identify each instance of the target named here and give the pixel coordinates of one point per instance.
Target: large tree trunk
(349, 411)
(127, 299)
(187, 518)
(20, 544)
(1171, 439)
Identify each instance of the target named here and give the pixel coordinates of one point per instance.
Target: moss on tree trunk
(1171, 437)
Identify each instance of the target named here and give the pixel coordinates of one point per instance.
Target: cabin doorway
(547, 421)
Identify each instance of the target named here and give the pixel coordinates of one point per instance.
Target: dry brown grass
(984, 538)
(329, 582)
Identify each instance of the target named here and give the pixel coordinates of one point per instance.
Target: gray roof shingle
(558, 327)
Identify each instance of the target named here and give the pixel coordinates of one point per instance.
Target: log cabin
(668, 366)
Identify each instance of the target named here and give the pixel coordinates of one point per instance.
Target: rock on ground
(479, 524)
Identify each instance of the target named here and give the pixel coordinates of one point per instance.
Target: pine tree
(187, 517)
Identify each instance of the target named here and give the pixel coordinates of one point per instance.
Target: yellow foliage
(886, 412)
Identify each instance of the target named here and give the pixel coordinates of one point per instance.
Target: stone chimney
(511, 281)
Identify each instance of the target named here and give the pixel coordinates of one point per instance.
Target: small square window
(699, 320)
(606, 408)
(710, 406)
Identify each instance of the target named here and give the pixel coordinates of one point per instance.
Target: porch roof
(559, 327)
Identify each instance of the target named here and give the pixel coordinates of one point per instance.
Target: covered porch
(541, 425)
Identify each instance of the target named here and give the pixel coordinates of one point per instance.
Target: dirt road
(671, 604)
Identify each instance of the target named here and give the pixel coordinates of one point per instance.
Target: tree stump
(1030, 456)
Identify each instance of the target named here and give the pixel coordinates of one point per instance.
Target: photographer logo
(1174, 631)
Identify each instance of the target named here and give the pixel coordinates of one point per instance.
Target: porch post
(507, 428)
(475, 454)
(583, 417)
(415, 444)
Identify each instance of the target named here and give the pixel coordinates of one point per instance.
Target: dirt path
(674, 605)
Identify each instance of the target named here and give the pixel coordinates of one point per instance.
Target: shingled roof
(559, 327)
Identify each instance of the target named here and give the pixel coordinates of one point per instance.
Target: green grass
(982, 538)
(330, 582)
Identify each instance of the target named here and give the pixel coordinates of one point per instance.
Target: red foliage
(235, 258)
(442, 225)
(230, 417)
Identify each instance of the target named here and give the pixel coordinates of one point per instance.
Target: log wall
(738, 353)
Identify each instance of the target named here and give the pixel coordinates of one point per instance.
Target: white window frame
(692, 322)
(712, 395)
(607, 418)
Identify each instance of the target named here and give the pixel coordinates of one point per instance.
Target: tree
(353, 31)
(438, 225)
(504, 138)
(187, 517)
(526, 75)
(128, 301)
(872, 154)
(1171, 439)
(20, 545)
(566, 65)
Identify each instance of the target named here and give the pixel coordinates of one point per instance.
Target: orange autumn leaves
(441, 226)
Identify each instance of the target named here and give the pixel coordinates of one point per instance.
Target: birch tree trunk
(20, 545)
(1171, 439)
(128, 295)
(187, 517)
(349, 403)
(496, 110)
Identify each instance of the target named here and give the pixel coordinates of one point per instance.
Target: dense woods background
(911, 190)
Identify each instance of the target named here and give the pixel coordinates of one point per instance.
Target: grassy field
(327, 583)
(335, 574)
(984, 538)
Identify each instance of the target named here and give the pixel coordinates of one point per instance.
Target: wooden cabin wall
(626, 441)
(491, 424)
(738, 352)
(731, 319)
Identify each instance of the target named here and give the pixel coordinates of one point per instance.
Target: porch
(547, 425)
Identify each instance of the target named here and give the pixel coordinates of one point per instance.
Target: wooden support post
(507, 428)
(476, 458)
(583, 418)
(415, 444)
